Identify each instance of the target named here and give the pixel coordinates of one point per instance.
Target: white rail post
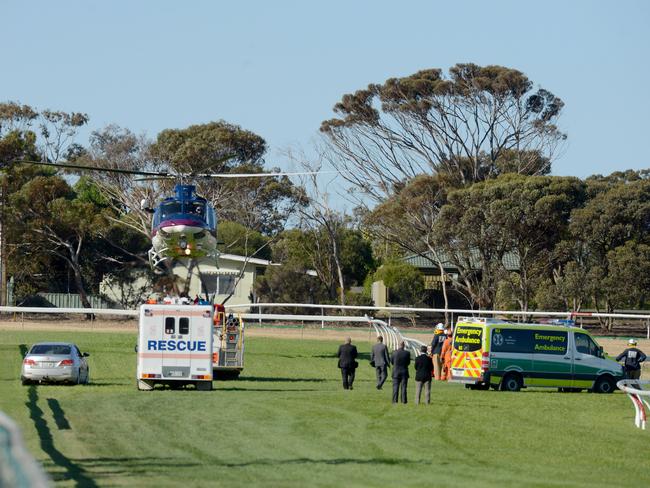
(635, 392)
(647, 335)
(322, 322)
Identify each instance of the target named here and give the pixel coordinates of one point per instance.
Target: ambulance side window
(184, 325)
(170, 325)
(585, 345)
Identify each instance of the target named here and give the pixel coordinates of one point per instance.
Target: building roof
(426, 261)
(244, 259)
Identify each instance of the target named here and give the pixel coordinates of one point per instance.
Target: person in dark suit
(401, 359)
(423, 370)
(379, 358)
(347, 355)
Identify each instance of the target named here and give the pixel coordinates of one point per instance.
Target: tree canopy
(426, 123)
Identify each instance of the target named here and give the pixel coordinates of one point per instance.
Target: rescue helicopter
(183, 225)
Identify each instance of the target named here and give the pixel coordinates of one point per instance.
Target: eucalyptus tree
(611, 231)
(426, 123)
(521, 216)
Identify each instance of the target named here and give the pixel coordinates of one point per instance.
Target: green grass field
(287, 422)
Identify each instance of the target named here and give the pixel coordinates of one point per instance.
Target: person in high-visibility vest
(446, 356)
(436, 350)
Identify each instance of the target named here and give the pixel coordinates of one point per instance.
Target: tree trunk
(339, 272)
(443, 280)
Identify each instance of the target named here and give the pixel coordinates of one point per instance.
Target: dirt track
(612, 346)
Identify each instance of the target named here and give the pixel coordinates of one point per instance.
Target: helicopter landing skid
(156, 258)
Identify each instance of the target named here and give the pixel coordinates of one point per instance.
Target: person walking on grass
(347, 355)
(423, 370)
(401, 359)
(379, 359)
(633, 358)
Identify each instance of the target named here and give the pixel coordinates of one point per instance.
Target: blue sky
(277, 68)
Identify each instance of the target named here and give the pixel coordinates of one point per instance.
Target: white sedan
(56, 362)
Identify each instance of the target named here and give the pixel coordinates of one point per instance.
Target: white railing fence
(638, 396)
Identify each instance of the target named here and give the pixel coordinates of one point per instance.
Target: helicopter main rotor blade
(109, 170)
(260, 175)
(156, 178)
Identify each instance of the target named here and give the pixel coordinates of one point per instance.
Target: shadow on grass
(107, 467)
(59, 414)
(271, 379)
(335, 461)
(73, 471)
(277, 390)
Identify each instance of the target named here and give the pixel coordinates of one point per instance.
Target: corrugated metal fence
(70, 300)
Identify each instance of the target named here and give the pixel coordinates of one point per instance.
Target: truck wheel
(605, 384)
(204, 385)
(511, 382)
(144, 385)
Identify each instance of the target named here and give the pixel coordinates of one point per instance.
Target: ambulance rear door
(150, 333)
(467, 353)
(199, 339)
(175, 361)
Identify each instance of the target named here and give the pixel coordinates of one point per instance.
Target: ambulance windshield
(468, 339)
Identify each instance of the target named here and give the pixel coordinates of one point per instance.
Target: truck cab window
(183, 325)
(585, 345)
(170, 325)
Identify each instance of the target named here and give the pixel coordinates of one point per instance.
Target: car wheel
(25, 381)
(605, 384)
(511, 382)
(87, 377)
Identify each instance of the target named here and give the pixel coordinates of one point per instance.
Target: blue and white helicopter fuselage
(183, 226)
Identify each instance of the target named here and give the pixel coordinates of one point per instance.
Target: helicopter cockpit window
(171, 208)
(197, 208)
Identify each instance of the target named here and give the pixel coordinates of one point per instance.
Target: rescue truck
(175, 346)
(509, 356)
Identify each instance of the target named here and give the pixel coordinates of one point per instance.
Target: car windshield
(54, 349)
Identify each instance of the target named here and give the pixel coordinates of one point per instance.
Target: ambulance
(511, 356)
(175, 346)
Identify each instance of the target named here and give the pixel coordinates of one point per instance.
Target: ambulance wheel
(204, 385)
(144, 385)
(512, 382)
(605, 384)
